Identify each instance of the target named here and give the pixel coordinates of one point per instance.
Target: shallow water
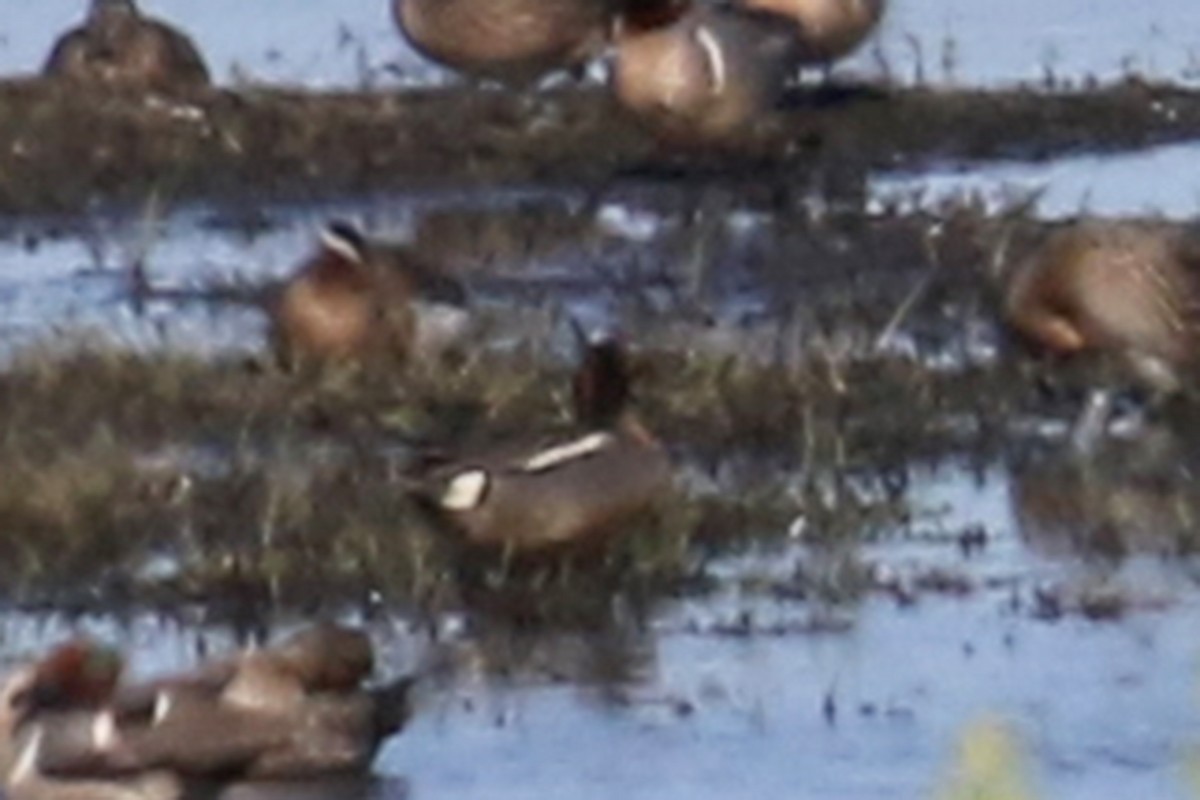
(1156, 182)
(728, 695)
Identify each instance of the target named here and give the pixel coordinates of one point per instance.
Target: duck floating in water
(58, 733)
(702, 73)
(117, 46)
(355, 299)
(525, 497)
(295, 710)
(513, 41)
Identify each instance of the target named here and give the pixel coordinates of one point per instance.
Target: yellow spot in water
(989, 765)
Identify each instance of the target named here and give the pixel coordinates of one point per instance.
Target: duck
(293, 710)
(118, 46)
(1127, 289)
(355, 299)
(511, 41)
(64, 694)
(523, 497)
(58, 737)
(828, 29)
(701, 73)
(1125, 292)
(322, 657)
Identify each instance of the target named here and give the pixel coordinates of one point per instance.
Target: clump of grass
(66, 516)
(285, 482)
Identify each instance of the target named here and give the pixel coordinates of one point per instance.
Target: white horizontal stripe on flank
(570, 451)
(716, 59)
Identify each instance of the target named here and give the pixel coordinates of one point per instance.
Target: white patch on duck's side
(335, 243)
(163, 703)
(26, 766)
(716, 57)
(561, 454)
(465, 490)
(104, 730)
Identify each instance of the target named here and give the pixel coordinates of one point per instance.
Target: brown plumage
(703, 73)
(28, 781)
(1126, 289)
(514, 41)
(828, 29)
(119, 47)
(292, 710)
(58, 740)
(355, 299)
(531, 497)
(343, 305)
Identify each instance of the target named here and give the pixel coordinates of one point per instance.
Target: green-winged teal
(1122, 288)
(118, 46)
(514, 41)
(828, 29)
(523, 497)
(58, 737)
(358, 299)
(702, 73)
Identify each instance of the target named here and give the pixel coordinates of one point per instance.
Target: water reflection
(1133, 496)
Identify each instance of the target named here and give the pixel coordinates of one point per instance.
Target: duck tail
(393, 705)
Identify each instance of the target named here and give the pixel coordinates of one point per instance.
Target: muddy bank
(59, 148)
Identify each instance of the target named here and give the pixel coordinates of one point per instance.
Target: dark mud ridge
(61, 148)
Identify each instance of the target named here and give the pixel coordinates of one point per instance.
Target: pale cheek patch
(465, 491)
(555, 456)
(716, 58)
(338, 245)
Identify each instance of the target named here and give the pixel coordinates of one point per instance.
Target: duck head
(327, 657)
(112, 9)
(74, 675)
(600, 386)
(58, 709)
